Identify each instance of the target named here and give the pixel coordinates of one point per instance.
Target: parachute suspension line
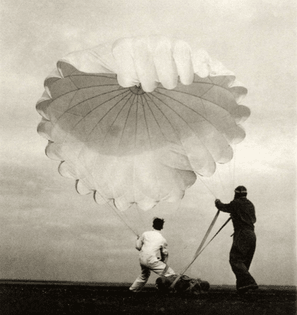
(198, 250)
(124, 220)
(175, 218)
(201, 250)
(205, 236)
(176, 209)
(210, 190)
(234, 167)
(214, 236)
(117, 213)
(221, 182)
(134, 223)
(139, 215)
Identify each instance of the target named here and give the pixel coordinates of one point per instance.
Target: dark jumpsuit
(243, 216)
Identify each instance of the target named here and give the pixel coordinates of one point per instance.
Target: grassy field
(38, 297)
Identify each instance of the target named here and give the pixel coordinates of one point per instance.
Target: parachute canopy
(137, 120)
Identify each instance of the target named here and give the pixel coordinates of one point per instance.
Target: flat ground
(36, 297)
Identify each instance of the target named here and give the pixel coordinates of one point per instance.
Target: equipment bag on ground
(185, 285)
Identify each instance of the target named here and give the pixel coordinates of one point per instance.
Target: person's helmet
(240, 191)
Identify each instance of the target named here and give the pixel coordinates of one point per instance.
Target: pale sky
(49, 232)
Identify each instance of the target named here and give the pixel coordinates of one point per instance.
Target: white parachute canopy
(137, 120)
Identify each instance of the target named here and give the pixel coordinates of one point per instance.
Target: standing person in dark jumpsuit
(242, 213)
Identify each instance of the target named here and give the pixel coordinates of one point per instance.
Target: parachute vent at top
(137, 120)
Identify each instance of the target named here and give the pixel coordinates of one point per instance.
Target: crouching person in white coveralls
(153, 255)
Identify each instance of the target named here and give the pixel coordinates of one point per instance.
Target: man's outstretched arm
(225, 207)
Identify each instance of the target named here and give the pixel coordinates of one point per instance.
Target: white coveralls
(152, 246)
